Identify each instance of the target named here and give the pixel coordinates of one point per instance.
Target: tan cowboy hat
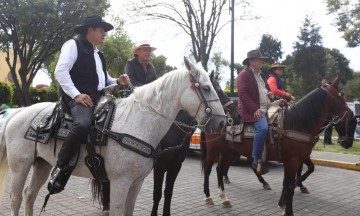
(140, 44)
(94, 20)
(277, 65)
(253, 54)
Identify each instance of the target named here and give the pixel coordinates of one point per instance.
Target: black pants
(83, 118)
(327, 135)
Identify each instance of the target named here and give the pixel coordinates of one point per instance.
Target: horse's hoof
(304, 190)
(209, 201)
(227, 204)
(285, 214)
(282, 207)
(266, 187)
(106, 208)
(227, 181)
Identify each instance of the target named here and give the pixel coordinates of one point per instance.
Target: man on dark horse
(254, 100)
(81, 73)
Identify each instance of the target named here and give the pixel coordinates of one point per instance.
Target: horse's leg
(19, 172)
(301, 178)
(118, 195)
(171, 176)
(226, 169)
(290, 169)
(157, 193)
(207, 172)
(226, 177)
(224, 164)
(266, 186)
(40, 173)
(131, 198)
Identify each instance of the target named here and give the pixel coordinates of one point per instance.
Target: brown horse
(303, 120)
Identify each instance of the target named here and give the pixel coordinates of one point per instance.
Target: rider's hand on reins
(123, 79)
(84, 99)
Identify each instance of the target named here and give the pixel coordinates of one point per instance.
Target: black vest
(83, 73)
(279, 82)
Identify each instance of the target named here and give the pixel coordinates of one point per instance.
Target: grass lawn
(335, 147)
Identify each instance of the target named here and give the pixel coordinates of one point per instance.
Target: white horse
(146, 114)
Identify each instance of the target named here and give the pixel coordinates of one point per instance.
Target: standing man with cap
(139, 69)
(81, 73)
(253, 103)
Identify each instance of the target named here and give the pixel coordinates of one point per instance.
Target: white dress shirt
(65, 63)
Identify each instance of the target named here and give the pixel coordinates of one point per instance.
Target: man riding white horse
(81, 73)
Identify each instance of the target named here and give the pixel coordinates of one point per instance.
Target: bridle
(196, 86)
(347, 114)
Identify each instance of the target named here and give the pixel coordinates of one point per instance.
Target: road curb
(338, 164)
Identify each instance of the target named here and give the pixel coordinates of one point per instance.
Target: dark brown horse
(340, 127)
(302, 124)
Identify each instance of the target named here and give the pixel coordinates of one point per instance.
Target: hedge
(6, 93)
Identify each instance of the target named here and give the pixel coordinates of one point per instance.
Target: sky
(280, 18)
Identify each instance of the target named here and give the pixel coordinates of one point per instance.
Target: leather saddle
(275, 116)
(55, 121)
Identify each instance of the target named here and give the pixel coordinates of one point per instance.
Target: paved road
(333, 192)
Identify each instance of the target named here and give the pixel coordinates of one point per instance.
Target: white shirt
(65, 63)
(264, 99)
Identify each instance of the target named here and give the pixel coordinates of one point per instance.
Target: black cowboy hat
(253, 54)
(94, 20)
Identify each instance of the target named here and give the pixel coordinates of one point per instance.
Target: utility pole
(232, 10)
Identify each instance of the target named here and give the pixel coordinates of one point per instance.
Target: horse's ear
(217, 77)
(335, 83)
(212, 75)
(188, 64)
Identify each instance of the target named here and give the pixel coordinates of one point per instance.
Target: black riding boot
(58, 180)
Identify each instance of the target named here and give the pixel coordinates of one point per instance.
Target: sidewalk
(346, 161)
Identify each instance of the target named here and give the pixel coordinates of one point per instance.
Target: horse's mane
(150, 95)
(306, 111)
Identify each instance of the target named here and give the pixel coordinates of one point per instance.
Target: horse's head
(207, 109)
(346, 131)
(230, 108)
(343, 117)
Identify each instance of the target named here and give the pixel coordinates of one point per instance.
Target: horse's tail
(203, 150)
(4, 119)
(100, 191)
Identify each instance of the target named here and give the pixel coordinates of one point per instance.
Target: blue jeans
(261, 129)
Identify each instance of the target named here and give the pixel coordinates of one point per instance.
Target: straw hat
(141, 44)
(253, 54)
(94, 20)
(277, 65)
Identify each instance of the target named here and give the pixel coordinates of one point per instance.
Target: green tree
(117, 48)
(308, 66)
(352, 88)
(159, 63)
(200, 20)
(348, 20)
(31, 31)
(219, 62)
(271, 48)
(336, 64)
